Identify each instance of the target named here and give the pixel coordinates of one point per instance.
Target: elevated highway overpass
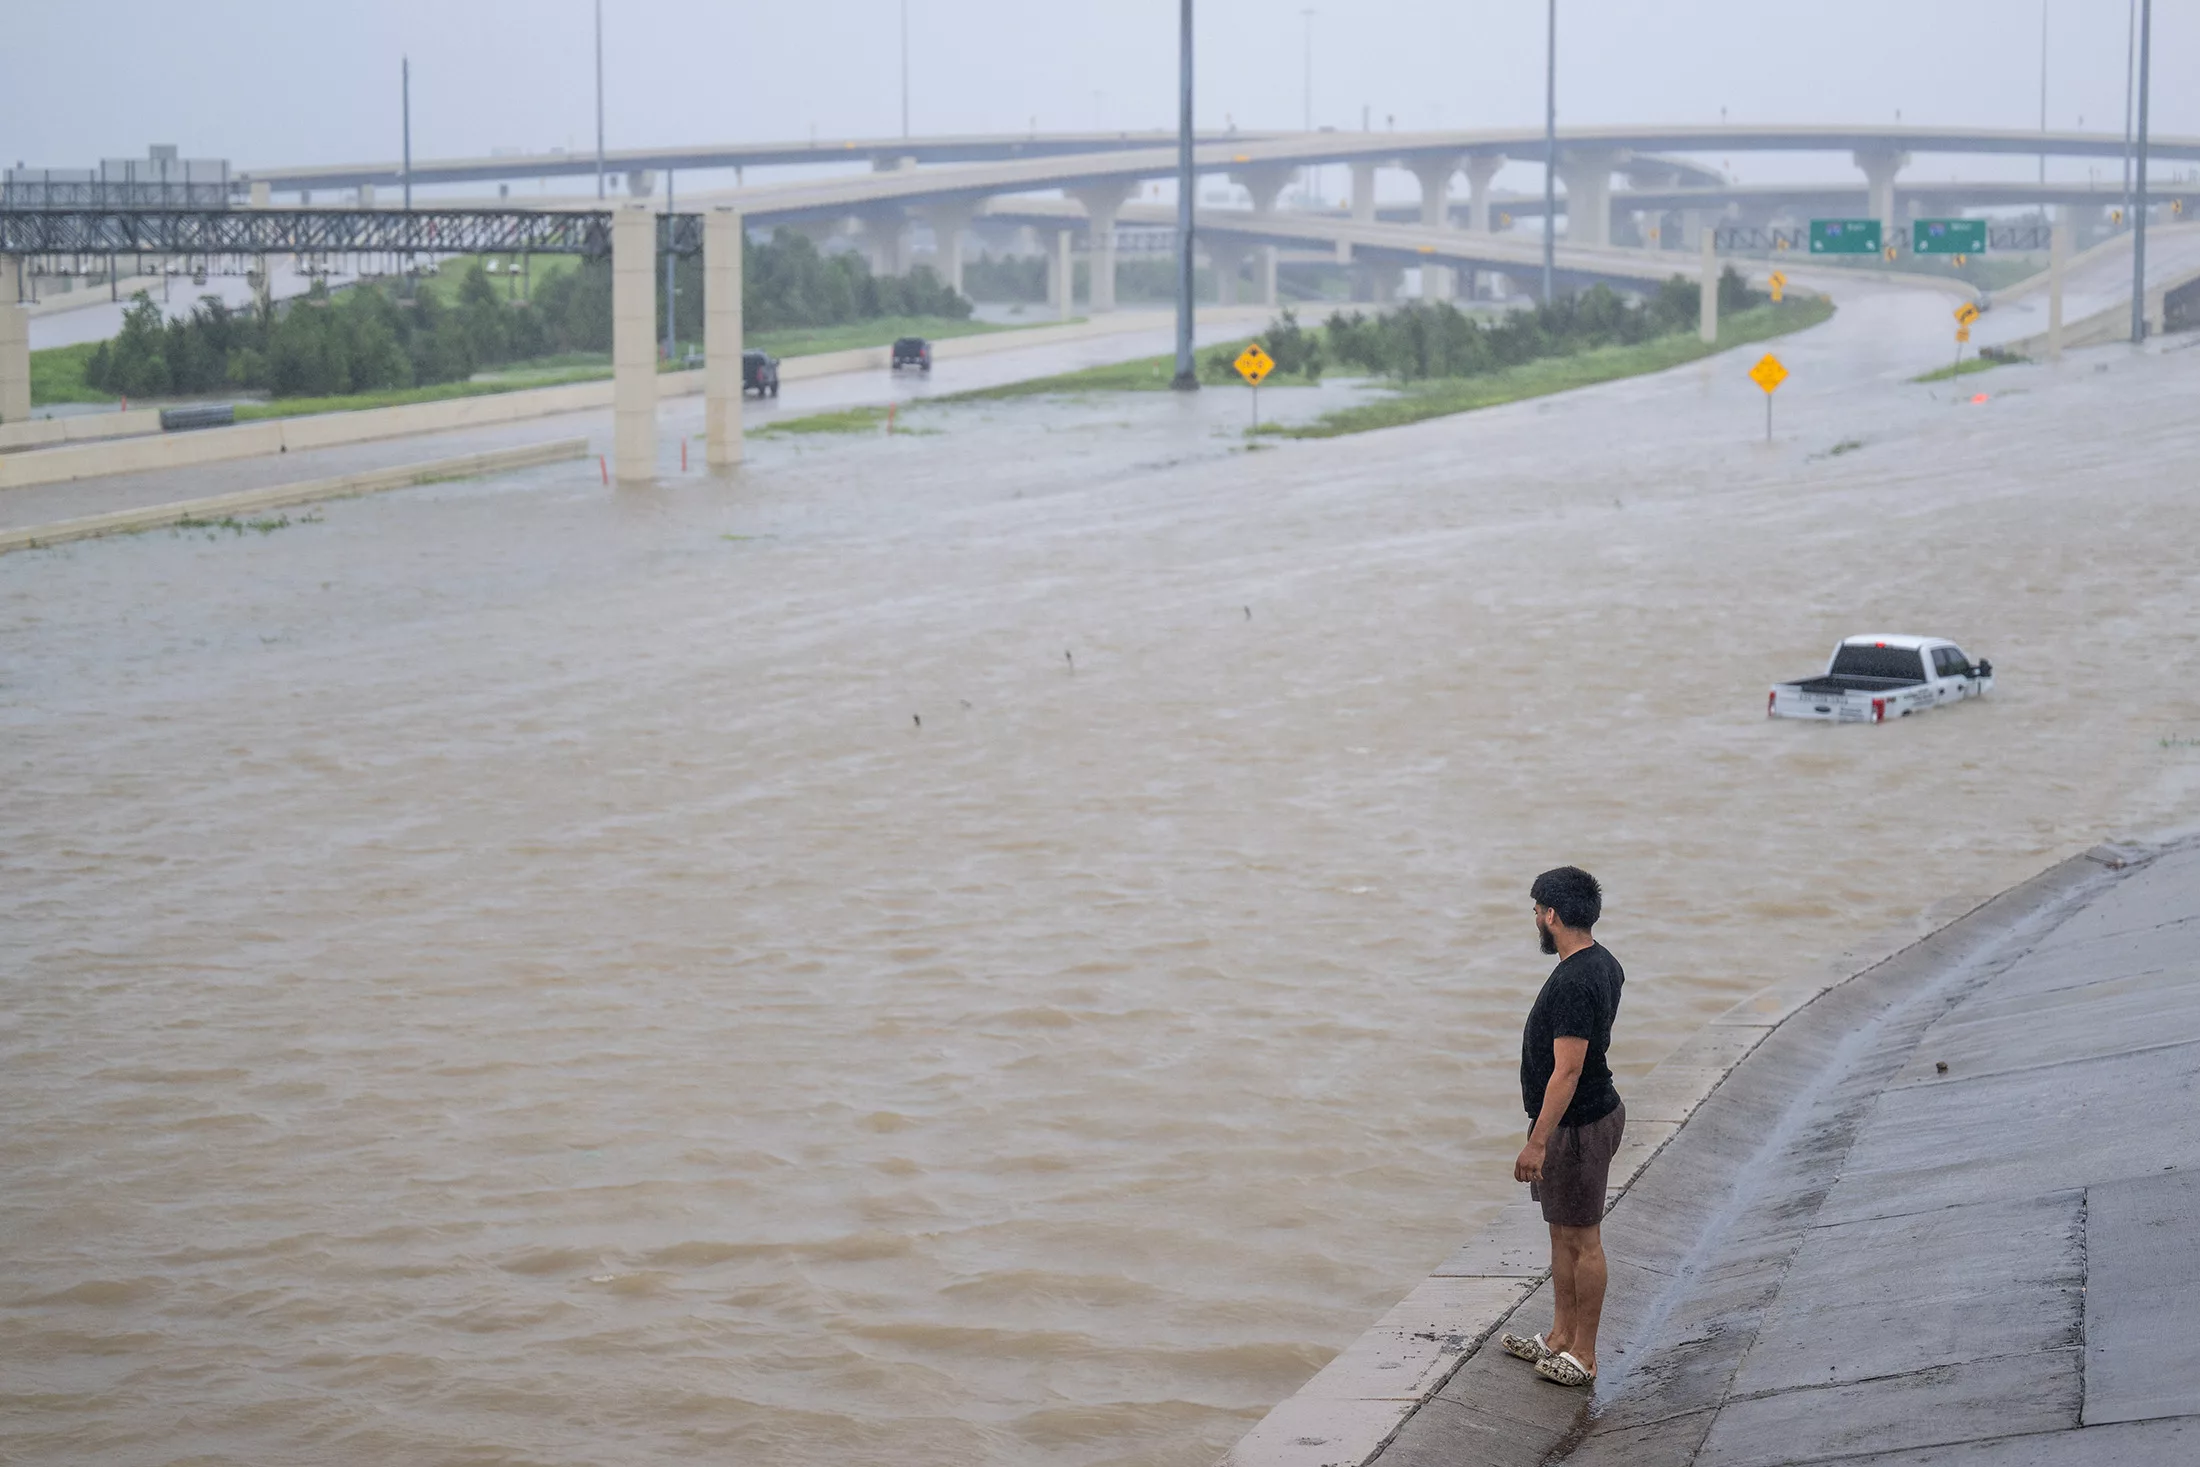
(946, 181)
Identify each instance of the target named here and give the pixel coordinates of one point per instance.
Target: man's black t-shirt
(1579, 1001)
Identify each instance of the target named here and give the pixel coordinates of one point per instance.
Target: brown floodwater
(499, 973)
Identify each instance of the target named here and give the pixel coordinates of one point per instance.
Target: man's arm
(1568, 1055)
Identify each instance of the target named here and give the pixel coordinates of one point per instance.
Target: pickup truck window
(1946, 663)
(1854, 660)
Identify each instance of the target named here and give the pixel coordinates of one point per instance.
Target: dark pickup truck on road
(912, 351)
(760, 373)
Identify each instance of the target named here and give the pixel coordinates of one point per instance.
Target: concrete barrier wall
(250, 501)
(96, 295)
(78, 428)
(70, 460)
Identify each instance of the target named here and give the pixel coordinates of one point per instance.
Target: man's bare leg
(1561, 1334)
(1585, 1272)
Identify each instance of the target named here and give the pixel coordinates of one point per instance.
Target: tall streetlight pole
(599, 99)
(905, 68)
(2131, 52)
(405, 87)
(405, 90)
(2043, 94)
(1187, 374)
(2139, 184)
(1550, 155)
(1313, 174)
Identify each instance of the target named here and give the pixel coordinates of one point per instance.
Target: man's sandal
(1563, 1369)
(1529, 1348)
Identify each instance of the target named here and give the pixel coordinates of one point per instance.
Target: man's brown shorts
(1576, 1166)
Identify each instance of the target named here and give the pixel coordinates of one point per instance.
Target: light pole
(2139, 185)
(1187, 374)
(2043, 95)
(2131, 52)
(1312, 180)
(405, 88)
(599, 99)
(1550, 154)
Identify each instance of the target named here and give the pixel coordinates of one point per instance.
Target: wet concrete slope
(1942, 1215)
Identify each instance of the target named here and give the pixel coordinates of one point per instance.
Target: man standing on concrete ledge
(1576, 1119)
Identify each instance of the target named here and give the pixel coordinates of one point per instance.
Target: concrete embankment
(1938, 1212)
(280, 496)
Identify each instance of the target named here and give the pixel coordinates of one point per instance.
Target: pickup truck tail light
(1879, 710)
(1772, 701)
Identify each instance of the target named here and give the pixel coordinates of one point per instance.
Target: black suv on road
(760, 373)
(912, 351)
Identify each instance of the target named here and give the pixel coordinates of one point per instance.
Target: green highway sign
(1948, 237)
(1844, 236)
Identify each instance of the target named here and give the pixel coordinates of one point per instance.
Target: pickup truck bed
(1873, 679)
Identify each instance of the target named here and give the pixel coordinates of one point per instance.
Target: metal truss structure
(57, 239)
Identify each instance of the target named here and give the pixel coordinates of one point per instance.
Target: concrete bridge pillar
(1879, 175)
(1383, 280)
(1363, 205)
(260, 193)
(1363, 193)
(641, 183)
(15, 344)
(721, 338)
(1103, 201)
(1062, 276)
(949, 219)
(366, 196)
(1268, 275)
(1480, 169)
(1586, 174)
(1265, 184)
(634, 344)
(1435, 177)
(1228, 257)
(882, 239)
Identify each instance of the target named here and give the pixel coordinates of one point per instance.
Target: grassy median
(1440, 397)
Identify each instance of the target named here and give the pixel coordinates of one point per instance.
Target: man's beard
(1550, 943)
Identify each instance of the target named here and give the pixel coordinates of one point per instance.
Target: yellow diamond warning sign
(1769, 374)
(1253, 364)
(1966, 314)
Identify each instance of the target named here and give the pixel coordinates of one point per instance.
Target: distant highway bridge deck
(947, 183)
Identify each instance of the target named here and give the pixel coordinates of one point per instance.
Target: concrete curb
(1355, 1406)
(156, 516)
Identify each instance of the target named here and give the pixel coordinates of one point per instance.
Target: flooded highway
(1000, 944)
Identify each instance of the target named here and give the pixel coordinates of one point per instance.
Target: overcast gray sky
(307, 81)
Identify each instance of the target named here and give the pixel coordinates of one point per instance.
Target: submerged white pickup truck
(1871, 679)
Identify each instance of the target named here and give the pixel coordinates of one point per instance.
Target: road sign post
(1768, 374)
(1253, 364)
(1844, 236)
(1948, 237)
(1965, 315)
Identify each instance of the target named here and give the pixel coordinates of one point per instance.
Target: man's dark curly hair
(1572, 893)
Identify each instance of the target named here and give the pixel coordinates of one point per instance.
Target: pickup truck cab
(1882, 676)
